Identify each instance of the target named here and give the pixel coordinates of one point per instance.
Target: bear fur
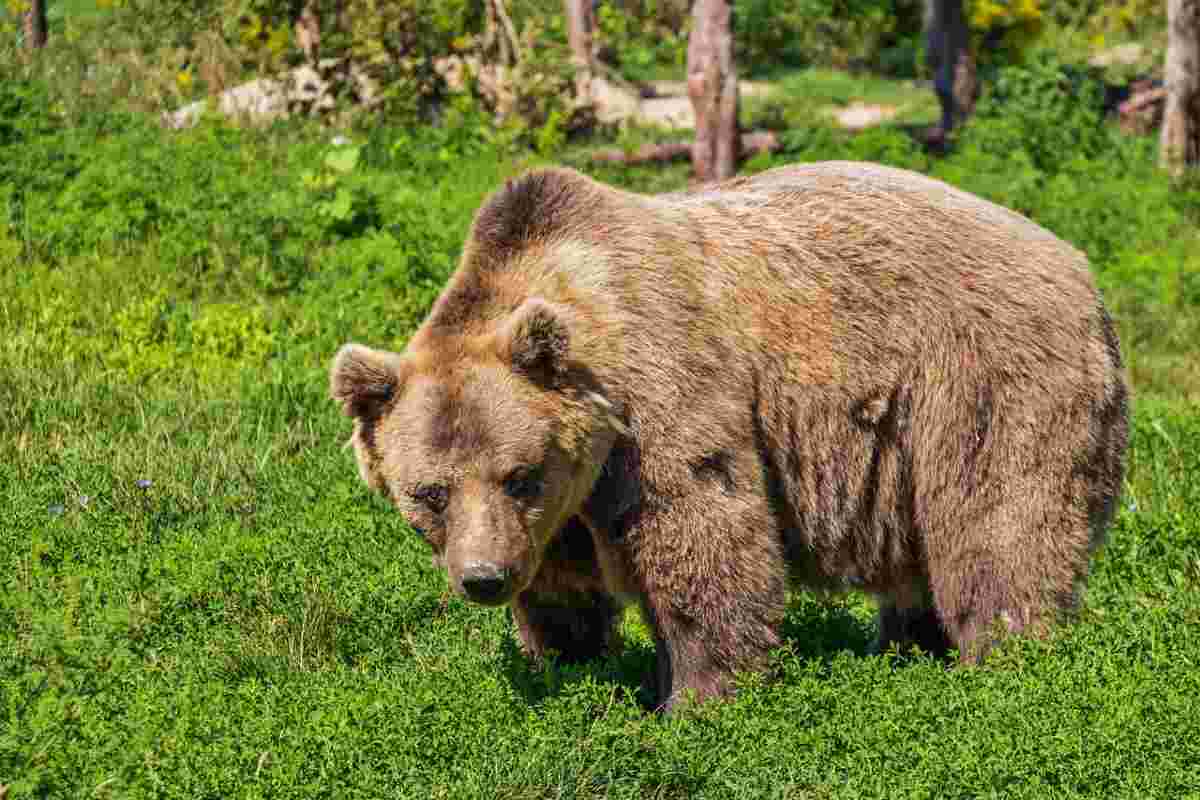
(825, 375)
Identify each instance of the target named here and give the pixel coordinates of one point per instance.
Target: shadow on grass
(814, 629)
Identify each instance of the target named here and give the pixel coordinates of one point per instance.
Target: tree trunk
(966, 85)
(713, 89)
(308, 30)
(947, 41)
(581, 21)
(1181, 120)
(35, 25)
(499, 32)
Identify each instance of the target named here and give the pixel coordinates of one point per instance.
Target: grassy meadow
(199, 599)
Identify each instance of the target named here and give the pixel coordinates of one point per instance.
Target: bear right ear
(362, 379)
(535, 339)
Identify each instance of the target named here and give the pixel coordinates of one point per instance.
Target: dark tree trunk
(1181, 120)
(581, 22)
(35, 25)
(712, 86)
(947, 50)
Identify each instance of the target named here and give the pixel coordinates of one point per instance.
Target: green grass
(200, 599)
(252, 623)
(803, 96)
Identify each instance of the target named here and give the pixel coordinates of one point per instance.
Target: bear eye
(523, 483)
(432, 496)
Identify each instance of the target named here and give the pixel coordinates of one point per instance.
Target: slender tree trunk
(308, 30)
(712, 86)
(499, 32)
(966, 84)
(581, 22)
(947, 41)
(35, 25)
(1181, 119)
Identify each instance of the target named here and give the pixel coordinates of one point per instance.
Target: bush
(643, 40)
(1047, 114)
(1002, 30)
(647, 39)
(834, 33)
(24, 112)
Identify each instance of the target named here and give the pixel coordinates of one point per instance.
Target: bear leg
(706, 632)
(575, 626)
(982, 597)
(904, 627)
(685, 672)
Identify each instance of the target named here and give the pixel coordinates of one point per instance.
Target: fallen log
(1140, 101)
(751, 145)
(1142, 112)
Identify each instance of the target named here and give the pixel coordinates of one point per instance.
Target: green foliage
(644, 41)
(648, 40)
(533, 99)
(24, 112)
(155, 338)
(466, 133)
(397, 42)
(1002, 30)
(831, 33)
(1047, 111)
(1101, 18)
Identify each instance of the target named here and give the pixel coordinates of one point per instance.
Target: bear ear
(535, 339)
(363, 379)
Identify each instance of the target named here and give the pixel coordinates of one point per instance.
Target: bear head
(487, 441)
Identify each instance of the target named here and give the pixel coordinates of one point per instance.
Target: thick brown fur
(826, 375)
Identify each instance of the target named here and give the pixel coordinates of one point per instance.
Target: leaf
(342, 205)
(343, 160)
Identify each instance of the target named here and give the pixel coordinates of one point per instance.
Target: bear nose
(485, 583)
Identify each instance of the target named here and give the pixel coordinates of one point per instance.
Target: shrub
(834, 33)
(24, 112)
(1045, 113)
(1002, 30)
(643, 39)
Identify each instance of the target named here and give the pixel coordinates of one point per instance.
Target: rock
(307, 89)
(614, 103)
(858, 116)
(1126, 55)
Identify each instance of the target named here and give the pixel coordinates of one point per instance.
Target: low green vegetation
(200, 599)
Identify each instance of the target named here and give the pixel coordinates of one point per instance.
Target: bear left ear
(535, 339)
(363, 379)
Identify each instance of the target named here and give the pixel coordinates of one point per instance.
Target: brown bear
(825, 375)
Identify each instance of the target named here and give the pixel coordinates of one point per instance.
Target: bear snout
(486, 583)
